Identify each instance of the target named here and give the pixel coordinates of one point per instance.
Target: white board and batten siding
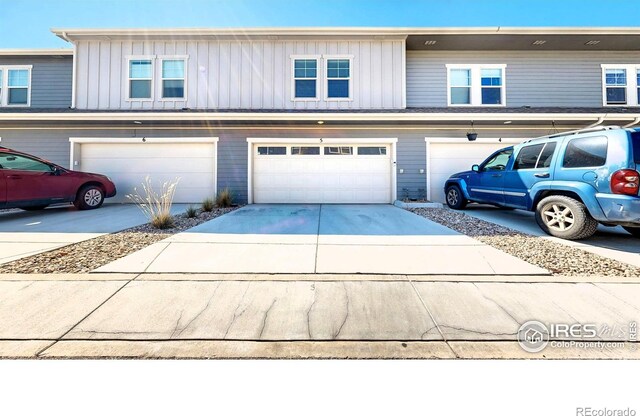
(189, 162)
(222, 74)
(446, 156)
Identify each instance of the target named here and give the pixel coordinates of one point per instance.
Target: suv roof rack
(573, 132)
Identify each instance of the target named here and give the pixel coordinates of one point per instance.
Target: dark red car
(32, 183)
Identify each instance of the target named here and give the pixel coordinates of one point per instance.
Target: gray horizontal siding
(51, 79)
(232, 148)
(537, 79)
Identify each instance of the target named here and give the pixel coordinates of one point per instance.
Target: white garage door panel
(445, 159)
(321, 178)
(127, 164)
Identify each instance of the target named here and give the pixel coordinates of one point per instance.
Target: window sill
(305, 99)
(172, 99)
(477, 105)
(338, 99)
(139, 100)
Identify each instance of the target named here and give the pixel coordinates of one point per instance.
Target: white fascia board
(458, 140)
(372, 116)
(35, 52)
(143, 139)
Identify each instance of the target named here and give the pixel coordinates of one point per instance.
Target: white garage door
(448, 156)
(322, 173)
(127, 164)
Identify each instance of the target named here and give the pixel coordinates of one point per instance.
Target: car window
(528, 157)
(544, 161)
(498, 161)
(585, 152)
(635, 144)
(17, 162)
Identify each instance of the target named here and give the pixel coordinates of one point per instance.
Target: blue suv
(572, 181)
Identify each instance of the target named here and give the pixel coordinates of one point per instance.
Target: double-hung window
(173, 79)
(305, 79)
(140, 79)
(615, 80)
(338, 78)
(621, 84)
(476, 85)
(15, 86)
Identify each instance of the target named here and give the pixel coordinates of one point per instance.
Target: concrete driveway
(25, 233)
(343, 239)
(611, 242)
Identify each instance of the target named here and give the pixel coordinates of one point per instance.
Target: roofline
(36, 52)
(68, 34)
(288, 116)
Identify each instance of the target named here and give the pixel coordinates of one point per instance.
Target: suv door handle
(541, 175)
(496, 175)
(14, 177)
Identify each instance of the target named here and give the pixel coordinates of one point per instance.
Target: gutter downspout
(597, 123)
(74, 73)
(633, 123)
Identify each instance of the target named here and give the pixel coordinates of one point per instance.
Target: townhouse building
(309, 115)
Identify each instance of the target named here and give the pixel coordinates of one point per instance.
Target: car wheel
(455, 198)
(565, 217)
(34, 208)
(634, 231)
(89, 197)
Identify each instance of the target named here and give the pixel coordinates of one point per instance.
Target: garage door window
(272, 150)
(342, 150)
(372, 150)
(305, 150)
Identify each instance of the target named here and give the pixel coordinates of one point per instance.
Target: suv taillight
(625, 181)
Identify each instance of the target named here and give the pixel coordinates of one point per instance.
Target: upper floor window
(338, 78)
(476, 84)
(140, 79)
(15, 85)
(173, 78)
(620, 84)
(305, 77)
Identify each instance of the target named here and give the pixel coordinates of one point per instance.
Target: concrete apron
(348, 319)
(308, 239)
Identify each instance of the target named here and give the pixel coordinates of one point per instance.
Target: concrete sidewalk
(376, 239)
(26, 233)
(361, 318)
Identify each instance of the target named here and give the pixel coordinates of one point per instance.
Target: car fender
(461, 183)
(585, 191)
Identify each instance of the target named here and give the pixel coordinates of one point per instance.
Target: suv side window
(544, 161)
(528, 157)
(585, 152)
(498, 161)
(17, 162)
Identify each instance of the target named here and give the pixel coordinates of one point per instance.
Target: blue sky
(26, 23)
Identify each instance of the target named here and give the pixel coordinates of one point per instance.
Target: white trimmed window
(15, 86)
(476, 85)
(140, 78)
(620, 85)
(173, 78)
(338, 73)
(305, 78)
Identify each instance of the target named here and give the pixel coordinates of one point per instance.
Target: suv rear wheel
(455, 198)
(634, 231)
(564, 217)
(89, 197)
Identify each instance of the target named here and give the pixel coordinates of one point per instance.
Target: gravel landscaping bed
(558, 258)
(89, 255)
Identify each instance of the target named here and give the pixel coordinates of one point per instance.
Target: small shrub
(156, 205)
(192, 212)
(208, 205)
(224, 199)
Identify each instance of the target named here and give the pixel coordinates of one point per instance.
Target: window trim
(476, 84)
(161, 59)
(130, 58)
(631, 88)
(325, 65)
(318, 59)
(4, 93)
